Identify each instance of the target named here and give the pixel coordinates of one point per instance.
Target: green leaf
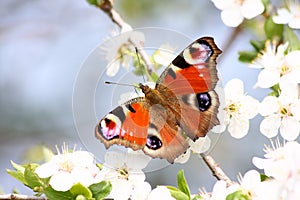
(272, 30)
(19, 175)
(95, 2)
(177, 194)
(182, 184)
(275, 90)
(100, 190)
(266, 3)
(154, 76)
(17, 166)
(291, 37)
(237, 195)
(258, 45)
(197, 197)
(57, 195)
(79, 189)
(247, 56)
(32, 179)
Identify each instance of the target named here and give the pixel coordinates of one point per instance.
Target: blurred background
(42, 46)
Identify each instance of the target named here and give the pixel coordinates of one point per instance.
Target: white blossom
(234, 11)
(289, 15)
(164, 55)
(282, 164)
(160, 192)
(124, 171)
(117, 49)
(281, 114)
(201, 145)
(68, 168)
(239, 108)
(277, 67)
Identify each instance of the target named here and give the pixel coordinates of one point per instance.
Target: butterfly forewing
(126, 125)
(193, 70)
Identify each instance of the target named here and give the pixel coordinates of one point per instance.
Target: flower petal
(62, 181)
(115, 159)
(269, 106)
(238, 126)
(46, 170)
(183, 158)
(252, 8)
(160, 192)
(250, 107)
(232, 17)
(113, 67)
(141, 191)
(121, 189)
(290, 128)
(137, 160)
(295, 23)
(201, 145)
(234, 89)
(250, 180)
(283, 17)
(270, 125)
(267, 78)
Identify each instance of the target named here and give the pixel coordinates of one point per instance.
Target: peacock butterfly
(183, 106)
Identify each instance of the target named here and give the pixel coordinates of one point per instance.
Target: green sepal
(52, 194)
(79, 189)
(247, 56)
(272, 30)
(237, 195)
(100, 190)
(182, 184)
(95, 2)
(197, 197)
(292, 39)
(32, 179)
(177, 194)
(258, 45)
(264, 177)
(18, 173)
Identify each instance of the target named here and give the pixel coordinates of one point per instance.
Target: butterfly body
(182, 106)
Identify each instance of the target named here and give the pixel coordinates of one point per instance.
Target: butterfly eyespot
(153, 142)
(204, 101)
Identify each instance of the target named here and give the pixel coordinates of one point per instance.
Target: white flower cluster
(235, 11)
(281, 112)
(123, 170)
(281, 165)
(290, 14)
(68, 168)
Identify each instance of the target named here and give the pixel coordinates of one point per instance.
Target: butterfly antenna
(124, 84)
(138, 57)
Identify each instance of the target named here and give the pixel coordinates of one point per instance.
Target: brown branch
(21, 197)
(107, 7)
(216, 169)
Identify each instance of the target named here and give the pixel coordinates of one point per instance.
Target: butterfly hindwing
(165, 137)
(198, 113)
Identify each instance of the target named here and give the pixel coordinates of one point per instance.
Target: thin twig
(216, 169)
(21, 197)
(107, 7)
(231, 38)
